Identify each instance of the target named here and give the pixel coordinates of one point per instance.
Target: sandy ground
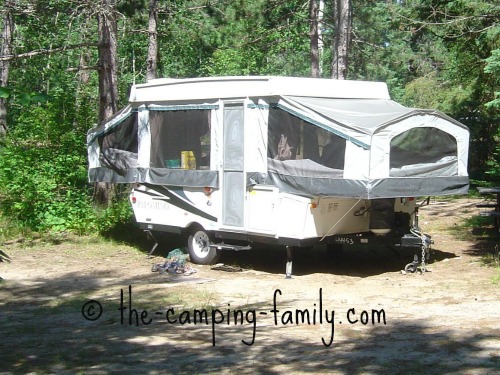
(84, 306)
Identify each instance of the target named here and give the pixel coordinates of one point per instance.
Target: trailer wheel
(199, 248)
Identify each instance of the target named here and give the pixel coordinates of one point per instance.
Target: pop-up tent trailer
(231, 161)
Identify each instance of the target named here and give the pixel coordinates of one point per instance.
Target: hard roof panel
(166, 89)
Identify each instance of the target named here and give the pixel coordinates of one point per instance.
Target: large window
(123, 136)
(175, 134)
(291, 138)
(119, 145)
(422, 146)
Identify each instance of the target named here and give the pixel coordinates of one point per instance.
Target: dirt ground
(93, 307)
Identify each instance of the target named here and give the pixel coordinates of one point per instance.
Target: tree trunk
(5, 49)
(108, 81)
(151, 62)
(314, 38)
(108, 60)
(342, 15)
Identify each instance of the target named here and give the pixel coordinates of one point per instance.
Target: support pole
(150, 235)
(288, 262)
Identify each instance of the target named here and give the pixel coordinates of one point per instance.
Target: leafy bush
(117, 216)
(493, 68)
(43, 174)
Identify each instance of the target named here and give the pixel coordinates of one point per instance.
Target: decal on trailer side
(344, 240)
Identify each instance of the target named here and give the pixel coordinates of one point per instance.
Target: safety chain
(422, 266)
(426, 242)
(426, 245)
(426, 250)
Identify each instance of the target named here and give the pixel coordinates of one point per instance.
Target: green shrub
(116, 217)
(43, 174)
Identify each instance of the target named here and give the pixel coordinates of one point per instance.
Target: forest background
(66, 65)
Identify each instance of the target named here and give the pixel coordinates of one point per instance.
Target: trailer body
(232, 161)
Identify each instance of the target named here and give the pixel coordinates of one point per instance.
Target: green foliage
(199, 38)
(117, 216)
(43, 174)
(284, 39)
(431, 91)
(231, 62)
(493, 171)
(22, 98)
(493, 67)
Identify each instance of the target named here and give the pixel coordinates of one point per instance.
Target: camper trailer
(234, 161)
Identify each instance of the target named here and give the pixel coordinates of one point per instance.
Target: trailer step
(225, 246)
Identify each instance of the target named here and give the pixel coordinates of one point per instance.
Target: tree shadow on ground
(129, 234)
(450, 208)
(41, 336)
(358, 261)
(486, 242)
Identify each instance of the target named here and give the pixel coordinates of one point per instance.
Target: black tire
(199, 248)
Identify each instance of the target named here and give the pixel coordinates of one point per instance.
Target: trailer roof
(168, 89)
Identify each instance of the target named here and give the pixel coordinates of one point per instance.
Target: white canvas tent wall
(377, 131)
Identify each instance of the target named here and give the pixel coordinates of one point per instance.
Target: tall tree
(108, 59)
(314, 37)
(151, 63)
(108, 78)
(5, 49)
(342, 15)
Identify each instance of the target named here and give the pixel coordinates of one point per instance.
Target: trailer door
(233, 188)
